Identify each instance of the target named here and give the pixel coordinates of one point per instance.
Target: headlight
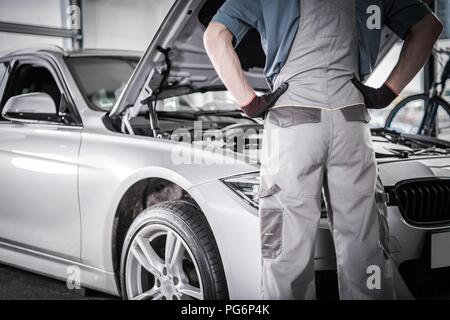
(246, 186)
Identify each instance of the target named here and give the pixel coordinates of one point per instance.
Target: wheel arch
(141, 192)
(139, 195)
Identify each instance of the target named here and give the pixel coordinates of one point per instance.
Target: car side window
(30, 78)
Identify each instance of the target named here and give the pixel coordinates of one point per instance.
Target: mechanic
(316, 133)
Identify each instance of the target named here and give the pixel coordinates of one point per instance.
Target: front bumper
(235, 226)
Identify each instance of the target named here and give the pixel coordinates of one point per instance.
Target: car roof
(58, 51)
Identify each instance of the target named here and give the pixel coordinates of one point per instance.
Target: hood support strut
(149, 97)
(142, 100)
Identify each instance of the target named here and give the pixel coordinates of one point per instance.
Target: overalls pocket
(271, 221)
(356, 113)
(290, 116)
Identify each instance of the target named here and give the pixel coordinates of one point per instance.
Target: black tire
(418, 97)
(187, 221)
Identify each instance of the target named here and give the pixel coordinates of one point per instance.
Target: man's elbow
(437, 27)
(215, 35)
(430, 26)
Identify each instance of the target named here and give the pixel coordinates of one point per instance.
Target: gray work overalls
(318, 136)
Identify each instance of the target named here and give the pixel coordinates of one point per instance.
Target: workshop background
(130, 25)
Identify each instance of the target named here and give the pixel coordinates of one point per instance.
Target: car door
(39, 207)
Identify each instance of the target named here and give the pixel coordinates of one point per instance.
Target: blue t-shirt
(277, 22)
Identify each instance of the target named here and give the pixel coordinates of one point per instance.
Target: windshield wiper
(431, 149)
(177, 115)
(436, 142)
(425, 143)
(231, 113)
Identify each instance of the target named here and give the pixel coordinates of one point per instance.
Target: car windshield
(102, 79)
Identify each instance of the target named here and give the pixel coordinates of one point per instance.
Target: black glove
(375, 98)
(259, 105)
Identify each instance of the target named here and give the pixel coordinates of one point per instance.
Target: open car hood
(190, 68)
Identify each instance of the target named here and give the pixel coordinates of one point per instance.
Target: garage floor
(17, 284)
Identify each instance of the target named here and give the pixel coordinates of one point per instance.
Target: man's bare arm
(218, 42)
(416, 50)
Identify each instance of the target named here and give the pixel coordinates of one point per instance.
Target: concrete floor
(17, 284)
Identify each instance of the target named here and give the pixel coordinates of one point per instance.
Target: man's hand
(259, 105)
(376, 98)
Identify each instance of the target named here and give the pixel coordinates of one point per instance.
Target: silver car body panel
(56, 267)
(41, 166)
(114, 162)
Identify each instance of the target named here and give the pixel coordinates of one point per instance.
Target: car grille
(424, 202)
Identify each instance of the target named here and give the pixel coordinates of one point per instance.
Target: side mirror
(30, 107)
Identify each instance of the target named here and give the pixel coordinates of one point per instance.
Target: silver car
(138, 177)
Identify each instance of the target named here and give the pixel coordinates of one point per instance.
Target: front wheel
(170, 253)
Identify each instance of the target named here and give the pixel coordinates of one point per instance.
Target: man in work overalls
(316, 132)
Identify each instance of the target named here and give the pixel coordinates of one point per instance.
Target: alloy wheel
(160, 266)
